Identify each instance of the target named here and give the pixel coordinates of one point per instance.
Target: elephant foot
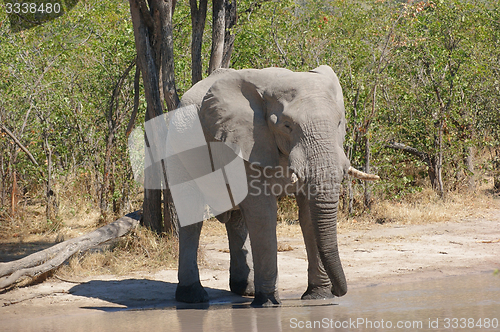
(317, 293)
(194, 293)
(242, 287)
(266, 300)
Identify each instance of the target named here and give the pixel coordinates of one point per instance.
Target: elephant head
(274, 114)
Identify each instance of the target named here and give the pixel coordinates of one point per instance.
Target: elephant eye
(287, 125)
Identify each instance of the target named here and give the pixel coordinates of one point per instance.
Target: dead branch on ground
(51, 258)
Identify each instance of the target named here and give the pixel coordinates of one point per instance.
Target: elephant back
(194, 96)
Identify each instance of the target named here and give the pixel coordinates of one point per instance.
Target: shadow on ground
(137, 294)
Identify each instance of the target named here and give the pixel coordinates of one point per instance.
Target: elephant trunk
(323, 209)
(325, 167)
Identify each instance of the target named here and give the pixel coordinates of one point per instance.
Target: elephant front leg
(240, 271)
(189, 288)
(318, 283)
(259, 213)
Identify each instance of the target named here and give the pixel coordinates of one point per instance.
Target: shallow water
(463, 303)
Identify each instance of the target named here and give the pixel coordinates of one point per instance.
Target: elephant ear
(337, 89)
(234, 111)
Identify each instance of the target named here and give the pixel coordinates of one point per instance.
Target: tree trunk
(352, 150)
(2, 177)
(368, 202)
(13, 201)
(167, 54)
(347, 196)
(351, 198)
(137, 96)
(198, 16)
(218, 32)
(230, 21)
(155, 57)
(143, 22)
(51, 208)
(496, 171)
(469, 164)
(105, 182)
(431, 171)
(439, 161)
(170, 222)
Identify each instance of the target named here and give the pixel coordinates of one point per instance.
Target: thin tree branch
(133, 116)
(411, 150)
(14, 138)
(278, 46)
(113, 104)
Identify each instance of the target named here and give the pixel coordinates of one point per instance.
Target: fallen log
(51, 258)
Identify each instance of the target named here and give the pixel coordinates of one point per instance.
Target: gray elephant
(290, 127)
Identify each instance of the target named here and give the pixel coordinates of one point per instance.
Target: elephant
(290, 127)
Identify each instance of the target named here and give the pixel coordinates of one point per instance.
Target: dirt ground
(371, 254)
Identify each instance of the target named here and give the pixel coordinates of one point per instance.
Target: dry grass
(418, 208)
(143, 250)
(140, 250)
(423, 208)
(212, 228)
(426, 207)
(288, 211)
(76, 212)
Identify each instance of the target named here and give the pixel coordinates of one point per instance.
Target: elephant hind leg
(241, 266)
(259, 213)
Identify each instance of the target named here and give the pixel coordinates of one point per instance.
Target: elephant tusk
(294, 178)
(362, 175)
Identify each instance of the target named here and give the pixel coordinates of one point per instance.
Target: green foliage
(433, 64)
(407, 69)
(57, 80)
(441, 71)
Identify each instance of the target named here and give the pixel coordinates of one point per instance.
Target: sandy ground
(374, 254)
